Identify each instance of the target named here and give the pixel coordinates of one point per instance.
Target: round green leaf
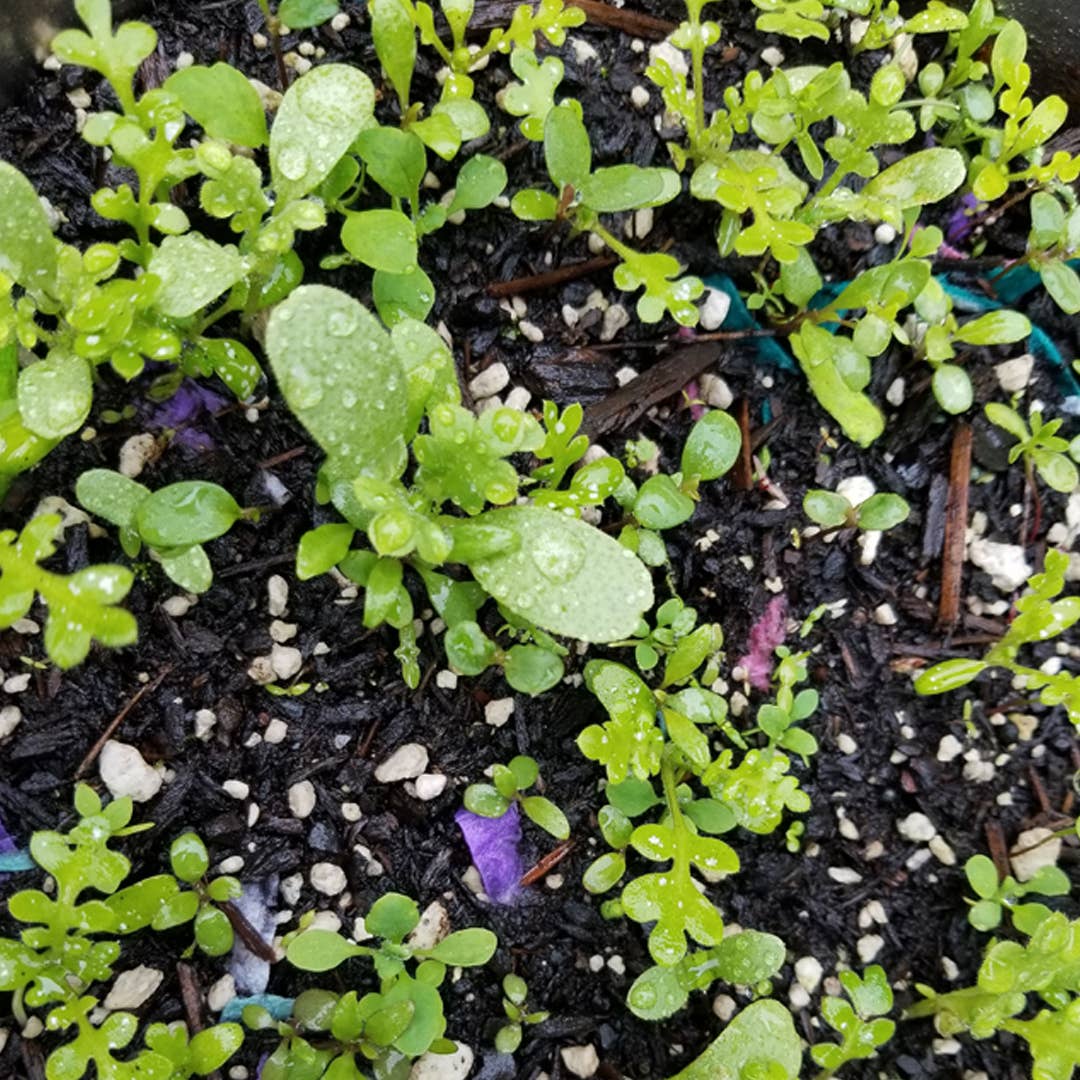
(54, 395)
(661, 505)
(396, 160)
(712, 446)
(532, 205)
(952, 388)
(302, 14)
(402, 296)
(222, 101)
(194, 272)
(213, 931)
(826, 508)
(189, 512)
(382, 239)
(604, 873)
(530, 669)
(392, 916)
(882, 511)
(110, 495)
(468, 649)
(485, 800)
(188, 857)
(210, 1049)
(321, 548)
(466, 948)
(480, 182)
(1063, 284)
(524, 770)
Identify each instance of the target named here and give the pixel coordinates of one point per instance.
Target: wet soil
(878, 760)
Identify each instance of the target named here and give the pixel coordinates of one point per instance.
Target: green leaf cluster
(1043, 614)
(515, 996)
(71, 943)
(507, 783)
(173, 522)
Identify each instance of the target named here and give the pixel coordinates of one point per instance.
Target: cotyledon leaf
(319, 118)
(565, 576)
(763, 1034)
(194, 272)
(28, 248)
(341, 377)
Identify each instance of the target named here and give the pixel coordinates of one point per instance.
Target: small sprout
(515, 994)
(878, 513)
(858, 1023)
(507, 782)
(1038, 445)
(995, 897)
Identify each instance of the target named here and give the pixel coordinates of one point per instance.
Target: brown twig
(999, 849)
(956, 516)
(119, 718)
(634, 23)
(742, 475)
(548, 862)
(550, 278)
(191, 996)
(247, 933)
(280, 459)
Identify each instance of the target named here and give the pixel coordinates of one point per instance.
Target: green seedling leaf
(826, 508)
(190, 512)
(319, 118)
(341, 378)
(616, 188)
(321, 548)
(762, 1038)
(1063, 284)
(213, 931)
(604, 873)
(530, 669)
(28, 250)
(547, 815)
(469, 650)
(483, 799)
(534, 97)
(396, 160)
(393, 916)
(382, 239)
(995, 328)
(302, 14)
(948, 675)
(322, 950)
(919, 179)
(566, 148)
(712, 447)
(565, 576)
(661, 505)
(882, 511)
(189, 858)
(394, 35)
(194, 272)
(55, 394)
(465, 948)
(480, 182)
(402, 296)
(221, 101)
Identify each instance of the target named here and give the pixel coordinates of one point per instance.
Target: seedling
(1038, 445)
(81, 606)
(404, 1017)
(1043, 614)
(859, 1023)
(996, 896)
(832, 511)
(515, 995)
(507, 782)
(199, 904)
(173, 522)
(72, 943)
(584, 194)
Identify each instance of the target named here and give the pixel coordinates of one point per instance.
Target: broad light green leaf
(628, 187)
(995, 328)
(1063, 284)
(566, 148)
(480, 182)
(396, 160)
(948, 675)
(567, 577)
(27, 245)
(320, 117)
(952, 388)
(925, 177)
(194, 272)
(339, 375)
(55, 395)
(189, 512)
(189, 568)
(301, 14)
(222, 101)
(712, 446)
(110, 495)
(395, 44)
(762, 1035)
(320, 950)
(382, 239)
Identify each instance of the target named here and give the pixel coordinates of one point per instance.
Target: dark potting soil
(878, 761)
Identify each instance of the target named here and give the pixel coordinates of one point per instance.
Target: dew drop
(293, 163)
(341, 323)
(558, 556)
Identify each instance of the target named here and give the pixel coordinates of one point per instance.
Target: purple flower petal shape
(765, 635)
(493, 844)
